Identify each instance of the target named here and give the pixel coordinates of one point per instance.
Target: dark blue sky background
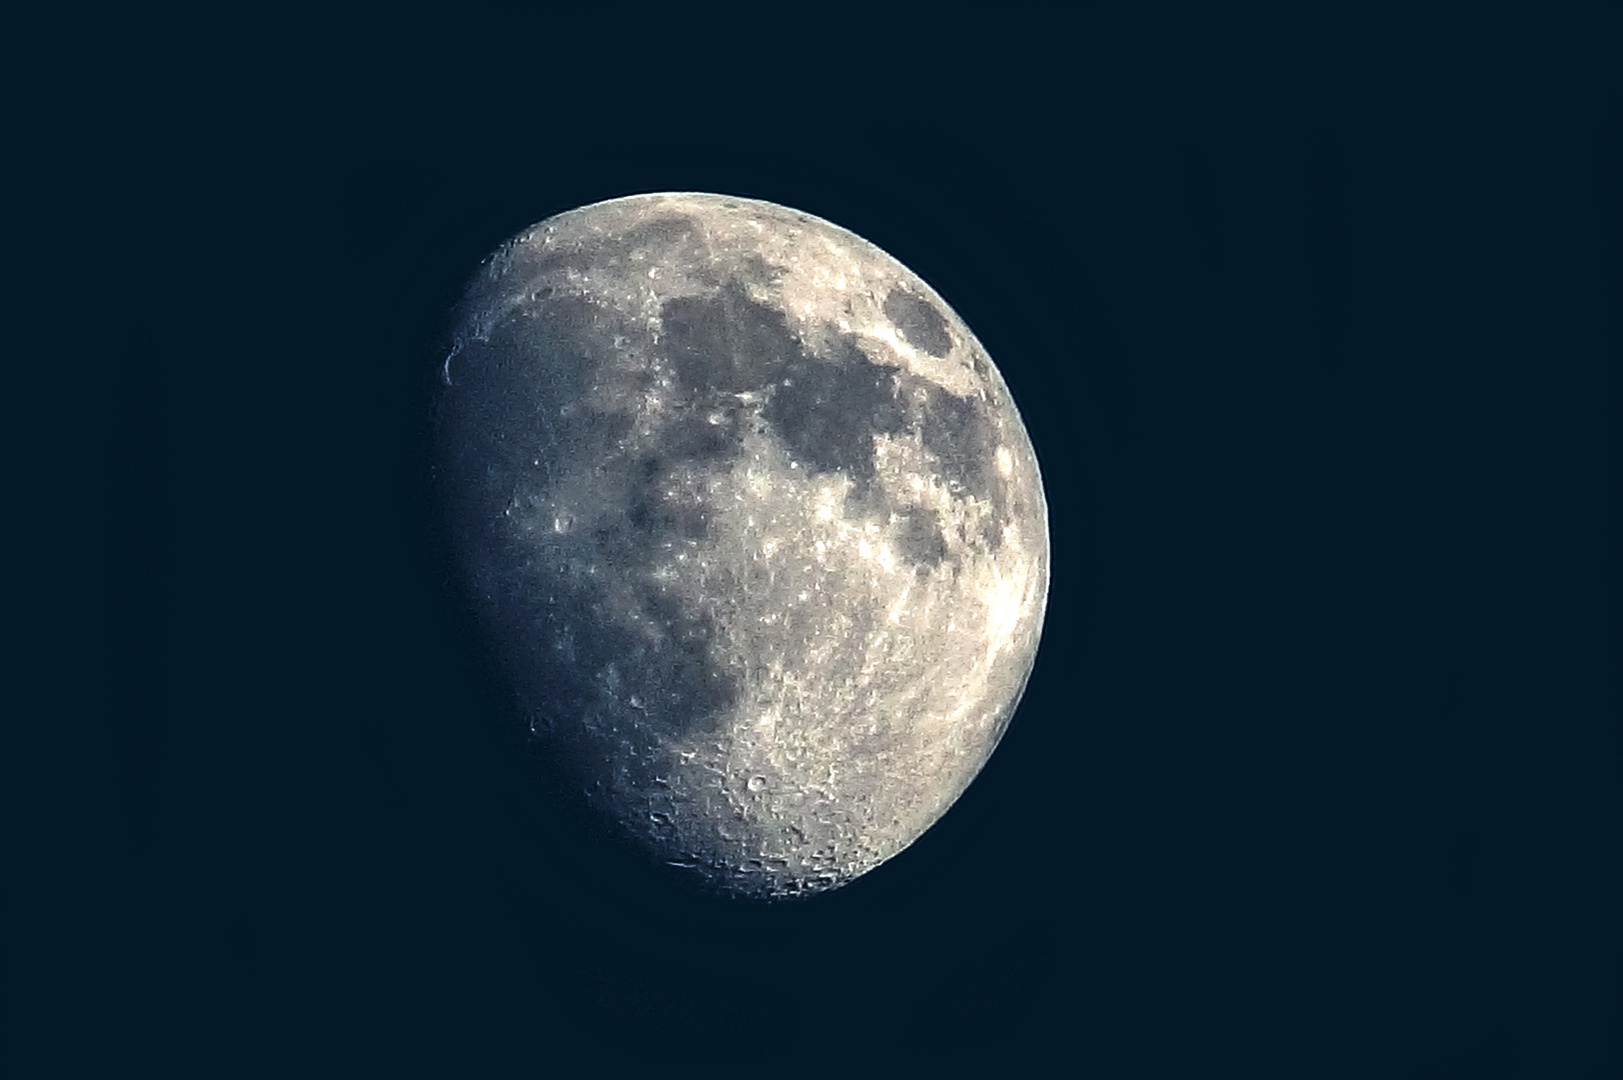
(1315, 331)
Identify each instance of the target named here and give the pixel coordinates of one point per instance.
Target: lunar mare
(754, 524)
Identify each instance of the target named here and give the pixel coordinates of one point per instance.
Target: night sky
(1318, 368)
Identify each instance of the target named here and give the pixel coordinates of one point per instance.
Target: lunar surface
(754, 524)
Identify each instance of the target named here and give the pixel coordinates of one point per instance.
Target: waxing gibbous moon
(754, 525)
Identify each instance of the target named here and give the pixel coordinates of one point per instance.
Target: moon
(753, 524)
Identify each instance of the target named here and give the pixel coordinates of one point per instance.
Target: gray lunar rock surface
(753, 522)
